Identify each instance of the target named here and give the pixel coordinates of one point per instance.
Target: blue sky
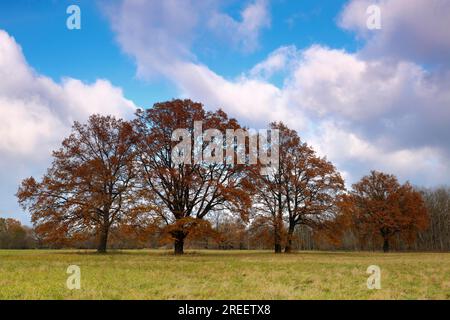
(364, 98)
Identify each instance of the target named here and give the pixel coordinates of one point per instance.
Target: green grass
(154, 274)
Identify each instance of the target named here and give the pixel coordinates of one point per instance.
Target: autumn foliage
(301, 191)
(378, 206)
(116, 181)
(13, 235)
(185, 193)
(90, 186)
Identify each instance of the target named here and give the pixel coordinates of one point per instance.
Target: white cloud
(393, 101)
(159, 34)
(355, 156)
(156, 33)
(36, 113)
(410, 29)
(254, 101)
(245, 33)
(278, 61)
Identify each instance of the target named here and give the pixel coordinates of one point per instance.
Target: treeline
(180, 175)
(437, 235)
(13, 235)
(234, 233)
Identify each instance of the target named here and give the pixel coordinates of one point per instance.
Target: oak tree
(90, 186)
(311, 185)
(185, 192)
(300, 191)
(380, 206)
(270, 204)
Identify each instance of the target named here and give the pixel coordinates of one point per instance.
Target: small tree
(379, 206)
(90, 185)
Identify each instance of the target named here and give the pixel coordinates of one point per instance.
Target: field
(155, 274)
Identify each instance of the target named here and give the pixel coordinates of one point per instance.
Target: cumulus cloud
(399, 104)
(410, 29)
(366, 114)
(36, 113)
(252, 100)
(354, 156)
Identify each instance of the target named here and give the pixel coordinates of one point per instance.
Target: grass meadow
(157, 274)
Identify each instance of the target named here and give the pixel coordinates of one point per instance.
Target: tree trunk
(386, 245)
(288, 248)
(179, 243)
(278, 225)
(103, 240)
(278, 248)
(277, 237)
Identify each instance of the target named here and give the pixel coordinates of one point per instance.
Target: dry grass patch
(155, 274)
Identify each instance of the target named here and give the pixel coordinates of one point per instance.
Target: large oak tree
(185, 192)
(90, 186)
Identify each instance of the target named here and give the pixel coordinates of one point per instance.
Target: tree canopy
(90, 185)
(379, 205)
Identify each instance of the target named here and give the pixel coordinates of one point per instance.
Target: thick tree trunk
(179, 243)
(386, 245)
(103, 240)
(278, 248)
(277, 237)
(288, 247)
